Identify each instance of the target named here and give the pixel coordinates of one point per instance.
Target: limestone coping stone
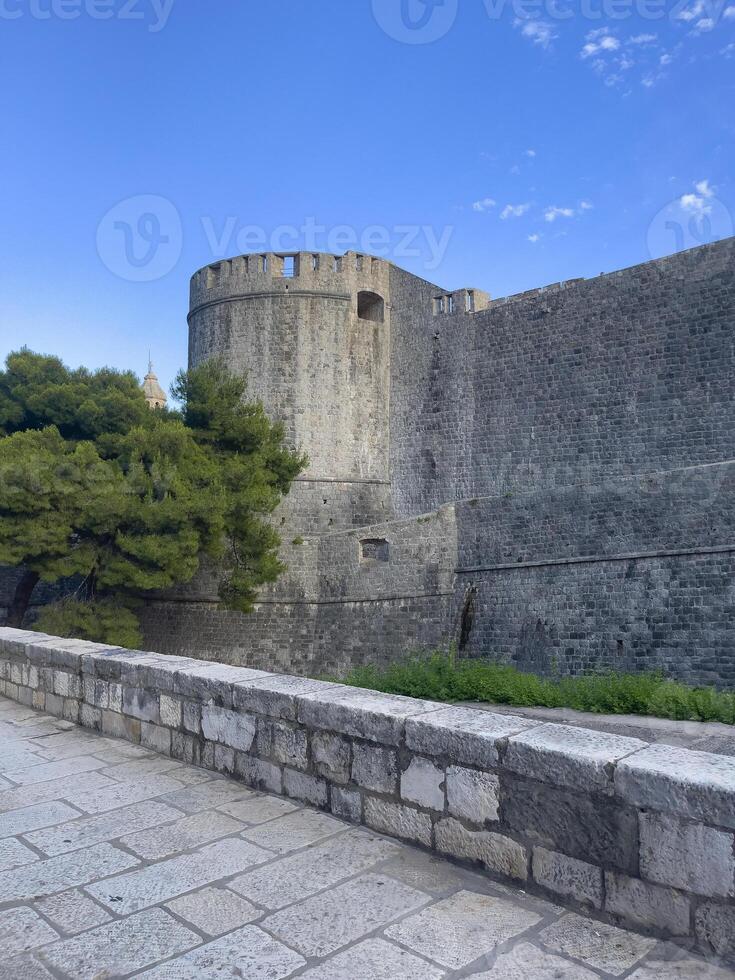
(361, 713)
(692, 784)
(578, 757)
(467, 736)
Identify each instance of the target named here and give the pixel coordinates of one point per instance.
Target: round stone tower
(312, 332)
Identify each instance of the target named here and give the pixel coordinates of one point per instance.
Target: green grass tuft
(441, 676)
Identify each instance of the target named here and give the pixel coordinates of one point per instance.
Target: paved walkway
(117, 862)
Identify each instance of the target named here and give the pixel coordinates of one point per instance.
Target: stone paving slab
(144, 868)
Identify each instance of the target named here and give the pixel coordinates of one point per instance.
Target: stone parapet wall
(640, 834)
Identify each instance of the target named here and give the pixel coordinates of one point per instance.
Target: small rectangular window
(315, 262)
(337, 263)
(358, 263)
(438, 305)
(450, 304)
(289, 266)
(263, 263)
(374, 549)
(470, 301)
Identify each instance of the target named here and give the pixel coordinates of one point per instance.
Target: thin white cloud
(643, 39)
(729, 12)
(704, 25)
(537, 31)
(585, 206)
(532, 153)
(514, 211)
(534, 238)
(698, 203)
(599, 41)
(554, 212)
(484, 205)
(689, 14)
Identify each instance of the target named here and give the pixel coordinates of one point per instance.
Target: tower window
(263, 263)
(470, 301)
(370, 306)
(439, 305)
(374, 549)
(315, 262)
(289, 266)
(358, 263)
(450, 304)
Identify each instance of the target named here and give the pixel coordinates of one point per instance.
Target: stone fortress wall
(542, 478)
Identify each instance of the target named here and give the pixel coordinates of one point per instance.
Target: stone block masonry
(643, 835)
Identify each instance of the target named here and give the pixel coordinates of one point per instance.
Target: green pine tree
(129, 500)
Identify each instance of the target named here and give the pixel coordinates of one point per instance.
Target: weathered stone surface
(526, 962)
(301, 786)
(497, 853)
(346, 803)
(698, 785)
(363, 714)
(680, 970)
(155, 737)
(13, 854)
(327, 922)
(85, 831)
(650, 906)
(22, 930)
(120, 948)
(141, 704)
(233, 728)
(687, 855)
(423, 783)
(161, 882)
(460, 929)
(170, 711)
(462, 734)
(473, 794)
(54, 789)
(567, 876)
(284, 744)
(577, 757)
(205, 796)
(54, 770)
(212, 681)
(158, 842)
(376, 959)
(66, 871)
(258, 773)
(30, 818)
(374, 768)
(601, 946)
(246, 952)
(72, 911)
(214, 910)
(593, 829)
(331, 755)
(258, 809)
(399, 821)
(295, 830)
(294, 878)
(715, 928)
(125, 794)
(275, 695)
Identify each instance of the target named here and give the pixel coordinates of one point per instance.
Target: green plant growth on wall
(96, 486)
(441, 676)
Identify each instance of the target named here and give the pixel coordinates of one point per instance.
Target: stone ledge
(642, 833)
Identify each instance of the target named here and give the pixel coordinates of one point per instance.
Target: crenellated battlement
(290, 272)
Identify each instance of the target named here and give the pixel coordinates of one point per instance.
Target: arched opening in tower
(370, 306)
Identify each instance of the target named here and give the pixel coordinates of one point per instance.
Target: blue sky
(497, 145)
